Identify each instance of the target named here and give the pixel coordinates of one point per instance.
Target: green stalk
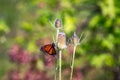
(56, 68)
(60, 60)
(73, 58)
(57, 35)
(56, 64)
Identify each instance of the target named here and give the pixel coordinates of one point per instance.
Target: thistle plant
(60, 42)
(75, 40)
(61, 45)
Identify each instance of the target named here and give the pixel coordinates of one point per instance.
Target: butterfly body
(49, 49)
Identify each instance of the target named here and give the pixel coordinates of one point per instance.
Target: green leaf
(27, 26)
(103, 59)
(31, 47)
(109, 60)
(108, 42)
(94, 21)
(69, 24)
(4, 27)
(107, 7)
(19, 39)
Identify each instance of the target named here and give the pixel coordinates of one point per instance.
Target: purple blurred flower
(13, 52)
(33, 61)
(23, 57)
(32, 72)
(19, 55)
(13, 75)
(49, 61)
(35, 74)
(77, 75)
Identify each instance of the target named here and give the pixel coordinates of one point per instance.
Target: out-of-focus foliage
(28, 24)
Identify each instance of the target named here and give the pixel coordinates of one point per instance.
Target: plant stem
(60, 58)
(57, 35)
(73, 57)
(56, 68)
(56, 65)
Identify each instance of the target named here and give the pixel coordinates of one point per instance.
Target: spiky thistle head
(61, 41)
(75, 40)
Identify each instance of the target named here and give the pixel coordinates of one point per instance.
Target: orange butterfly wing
(49, 48)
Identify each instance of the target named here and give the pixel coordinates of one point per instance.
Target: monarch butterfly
(49, 49)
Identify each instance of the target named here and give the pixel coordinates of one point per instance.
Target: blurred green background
(26, 21)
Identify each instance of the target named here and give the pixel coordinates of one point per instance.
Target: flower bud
(61, 41)
(75, 39)
(58, 24)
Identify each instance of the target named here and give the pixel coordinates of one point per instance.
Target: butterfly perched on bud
(50, 49)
